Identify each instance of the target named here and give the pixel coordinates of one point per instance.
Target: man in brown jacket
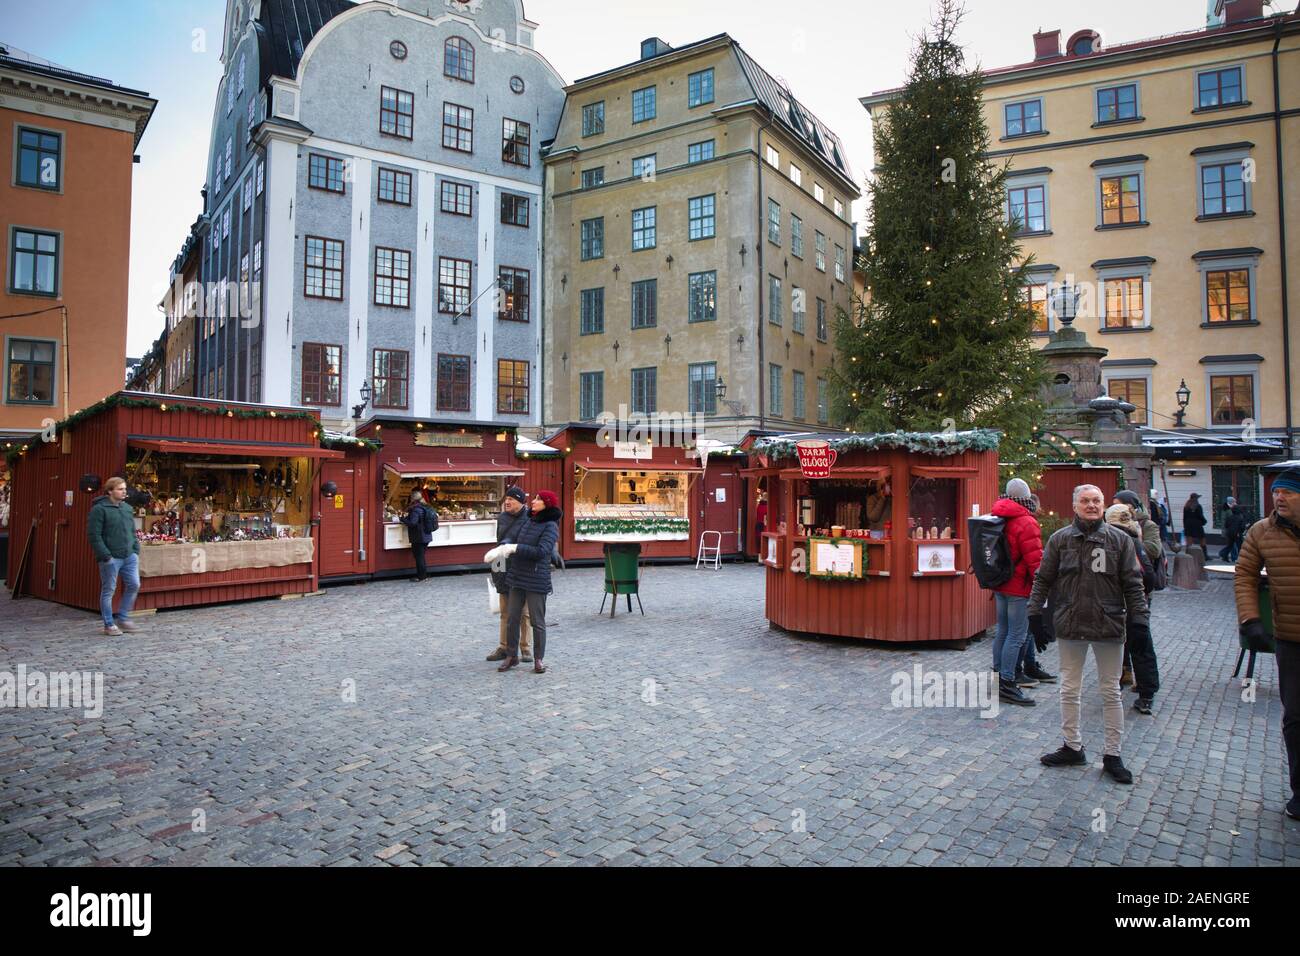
(1274, 544)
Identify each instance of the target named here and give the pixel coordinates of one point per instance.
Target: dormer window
(1084, 42)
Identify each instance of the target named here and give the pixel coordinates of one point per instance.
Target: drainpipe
(1281, 225)
(760, 240)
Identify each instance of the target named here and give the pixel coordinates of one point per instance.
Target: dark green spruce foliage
(944, 331)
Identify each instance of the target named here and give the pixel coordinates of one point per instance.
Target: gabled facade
(373, 180)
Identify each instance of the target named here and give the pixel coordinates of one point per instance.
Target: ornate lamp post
(1184, 395)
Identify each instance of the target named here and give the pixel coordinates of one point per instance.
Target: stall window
(31, 372)
(392, 277)
(322, 378)
(512, 387)
(933, 508)
(389, 377)
(453, 383)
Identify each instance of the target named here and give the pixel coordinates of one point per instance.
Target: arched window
(458, 59)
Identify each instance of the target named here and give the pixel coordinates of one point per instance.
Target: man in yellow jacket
(1274, 544)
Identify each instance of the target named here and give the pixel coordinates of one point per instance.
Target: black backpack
(990, 554)
(429, 520)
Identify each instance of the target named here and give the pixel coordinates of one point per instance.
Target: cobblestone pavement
(750, 746)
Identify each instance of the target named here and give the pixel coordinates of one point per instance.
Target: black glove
(1036, 629)
(1137, 632)
(1254, 633)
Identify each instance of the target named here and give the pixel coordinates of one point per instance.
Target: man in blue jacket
(111, 530)
(513, 516)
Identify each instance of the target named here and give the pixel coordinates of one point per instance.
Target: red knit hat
(549, 498)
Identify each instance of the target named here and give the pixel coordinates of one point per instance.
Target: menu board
(938, 558)
(835, 558)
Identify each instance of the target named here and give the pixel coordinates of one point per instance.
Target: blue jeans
(129, 569)
(1013, 630)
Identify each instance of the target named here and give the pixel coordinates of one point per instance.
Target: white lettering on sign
(633, 449)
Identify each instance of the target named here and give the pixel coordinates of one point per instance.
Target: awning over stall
(173, 447)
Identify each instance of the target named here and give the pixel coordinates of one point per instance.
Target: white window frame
(1111, 172)
(1205, 266)
(261, 176)
(772, 156)
(796, 175)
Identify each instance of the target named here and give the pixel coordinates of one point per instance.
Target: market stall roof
(1165, 444)
(1282, 465)
(526, 446)
(446, 468)
(251, 450)
(926, 443)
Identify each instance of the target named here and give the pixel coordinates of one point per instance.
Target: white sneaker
(127, 626)
(112, 630)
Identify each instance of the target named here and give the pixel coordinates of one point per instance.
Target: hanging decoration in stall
(816, 457)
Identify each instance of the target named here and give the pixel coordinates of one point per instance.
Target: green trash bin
(622, 575)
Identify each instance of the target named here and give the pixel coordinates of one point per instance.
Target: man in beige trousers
(1092, 573)
(513, 515)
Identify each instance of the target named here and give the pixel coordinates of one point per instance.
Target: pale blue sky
(831, 53)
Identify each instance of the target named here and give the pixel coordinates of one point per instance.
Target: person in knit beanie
(1024, 540)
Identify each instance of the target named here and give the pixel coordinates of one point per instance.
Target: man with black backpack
(1006, 552)
(421, 522)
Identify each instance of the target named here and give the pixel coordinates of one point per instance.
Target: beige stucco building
(697, 232)
(1154, 183)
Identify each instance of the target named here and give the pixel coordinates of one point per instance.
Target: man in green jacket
(111, 530)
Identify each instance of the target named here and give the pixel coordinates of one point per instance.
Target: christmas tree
(942, 338)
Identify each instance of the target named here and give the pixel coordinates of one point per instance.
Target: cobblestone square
(695, 735)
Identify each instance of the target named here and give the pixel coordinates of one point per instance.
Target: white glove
(492, 555)
(508, 549)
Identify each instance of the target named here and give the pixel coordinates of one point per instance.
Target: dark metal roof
(12, 57)
(793, 115)
(287, 26)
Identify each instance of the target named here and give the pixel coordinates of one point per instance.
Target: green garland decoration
(647, 526)
(126, 400)
(929, 443)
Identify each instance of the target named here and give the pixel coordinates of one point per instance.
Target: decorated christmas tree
(942, 339)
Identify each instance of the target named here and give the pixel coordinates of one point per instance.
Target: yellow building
(1154, 183)
(697, 244)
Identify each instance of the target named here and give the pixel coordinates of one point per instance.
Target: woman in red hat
(528, 576)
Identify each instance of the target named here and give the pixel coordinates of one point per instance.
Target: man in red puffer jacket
(1025, 542)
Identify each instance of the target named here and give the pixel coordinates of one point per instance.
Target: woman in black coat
(1194, 520)
(528, 575)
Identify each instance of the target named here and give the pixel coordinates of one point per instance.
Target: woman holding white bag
(528, 575)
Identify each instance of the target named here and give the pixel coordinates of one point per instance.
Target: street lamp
(365, 400)
(1184, 395)
(720, 387)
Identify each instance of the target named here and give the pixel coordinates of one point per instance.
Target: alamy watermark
(965, 689)
(82, 690)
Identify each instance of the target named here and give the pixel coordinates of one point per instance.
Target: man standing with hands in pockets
(1092, 573)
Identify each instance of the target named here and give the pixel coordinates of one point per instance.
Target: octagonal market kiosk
(866, 533)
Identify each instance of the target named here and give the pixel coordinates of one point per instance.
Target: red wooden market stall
(462, 468)
(652, 491)
(231, 503)
(866, 533)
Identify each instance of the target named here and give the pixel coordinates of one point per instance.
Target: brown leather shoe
(508, 663)
(498, 655)
(539, 667)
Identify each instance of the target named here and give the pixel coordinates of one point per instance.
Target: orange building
(65, 235)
